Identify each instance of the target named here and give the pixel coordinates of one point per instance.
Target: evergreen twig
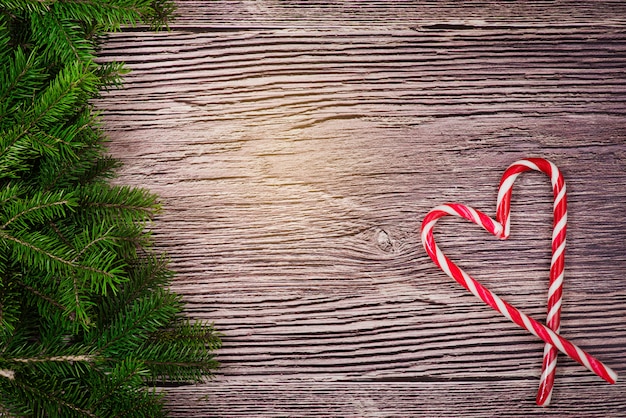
(87, 323)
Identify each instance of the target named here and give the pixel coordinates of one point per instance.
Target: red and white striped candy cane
(557, 265)
(549, 336)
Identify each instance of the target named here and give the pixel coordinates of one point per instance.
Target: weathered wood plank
(436, 14)
(305, 76)
(296, 150)
(399, 399)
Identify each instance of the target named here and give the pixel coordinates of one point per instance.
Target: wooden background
(297, 145)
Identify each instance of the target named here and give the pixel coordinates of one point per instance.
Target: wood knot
(383, 240)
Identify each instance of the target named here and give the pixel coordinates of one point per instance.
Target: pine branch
(159, 14)
(86, 320)
(42, 296)
(90, 165)
(110, 74)
(181, 352)
(19, 80)
(75, 298)
(10, 192)
(10, 307)
(180, 360)
(31, 6)
(38, 250)
(69, 47)
(5, 39)
(148, 403)
(36, 209)
(118, 203)
(109, 15)
(50, 254)
(66, 92)
(53, 401)
(61, 359)
(134, 324)
(25, 141)
(127, 373)
(120, 394)
(146, 275)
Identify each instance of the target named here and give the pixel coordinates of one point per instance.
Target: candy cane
(548, 335)
(557, 265)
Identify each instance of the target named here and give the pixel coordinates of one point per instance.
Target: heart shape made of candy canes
(500, 227)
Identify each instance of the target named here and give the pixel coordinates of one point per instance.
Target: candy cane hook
(557, 265)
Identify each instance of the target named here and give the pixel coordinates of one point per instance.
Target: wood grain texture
(296, 147)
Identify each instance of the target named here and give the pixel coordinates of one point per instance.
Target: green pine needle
(87, 323)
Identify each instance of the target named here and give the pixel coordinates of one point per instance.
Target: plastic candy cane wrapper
(500, 227)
